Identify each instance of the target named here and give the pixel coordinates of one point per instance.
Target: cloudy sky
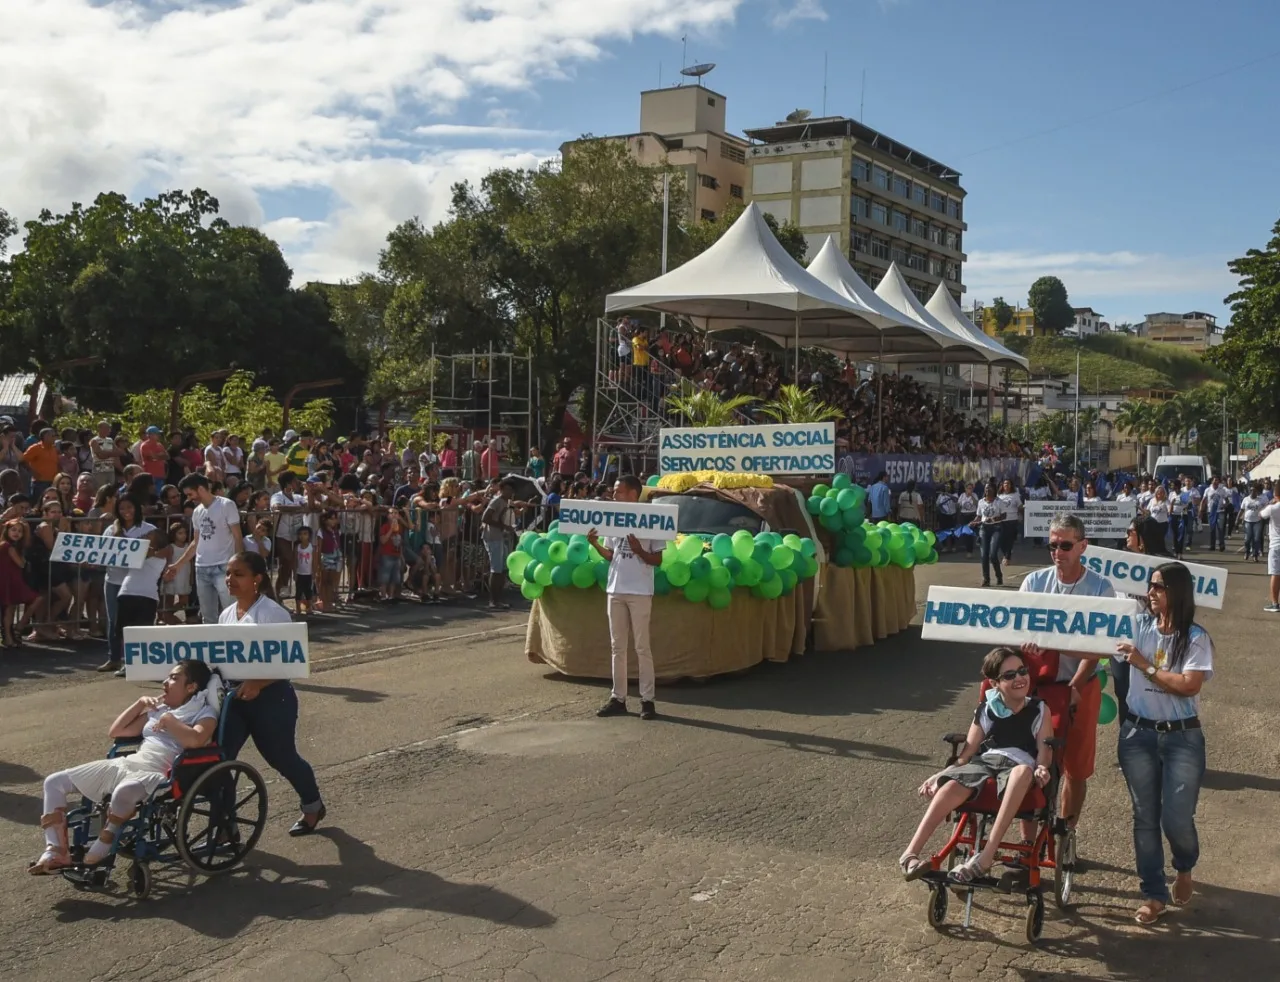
(1120, 146)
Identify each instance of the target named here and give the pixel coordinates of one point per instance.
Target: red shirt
(155, 458)
(489, 463)
(565, 462)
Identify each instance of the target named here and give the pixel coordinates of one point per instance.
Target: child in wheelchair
(184, 717)
(1008, 743)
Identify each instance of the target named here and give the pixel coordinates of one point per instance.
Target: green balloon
(841, 481)
(791, 541)
(743, 544)
(720, 578)
(531, 571)
(789, 580)
(751, 573)
(670, 554)
(1108, 711)
(722, 546)
(601, 571)
(585, 576)
(762, 552)
(852, 519)
(767, 572)
(696, 591)
(678, 573)
(1102, 680)
(700, 568)
(661, 585)
(578, 553)
(782, 557)
(932, 557)
(718, 598)
(526, 542)
(922, 550)
(930, 538)
(558, 553)
(810, 568)
(562, 576)
(541, 548)
(828, 506)
(734, 566)
(846, 499)
(808, 547)
(771, 589)
(543, 576)
(558, 537)
(653, 481)
(814, 504)
(516, 563)
(530, 591)
(820, 490)
(554, 526)
(873, 539)
(844, 558)
(690, 548)
(861, 557)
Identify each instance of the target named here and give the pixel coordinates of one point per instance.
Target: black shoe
(999, 581)
(647, 710)
(986, 583)
(614, 707)
(303, 827)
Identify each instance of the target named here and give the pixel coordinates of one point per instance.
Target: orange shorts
(1082, 733)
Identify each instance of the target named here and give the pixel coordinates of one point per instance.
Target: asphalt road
(483, 825)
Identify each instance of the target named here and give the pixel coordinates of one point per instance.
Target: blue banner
(931, 471)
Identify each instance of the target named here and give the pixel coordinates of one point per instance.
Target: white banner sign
(619, 518)
(239, 651)
(100, 550)
(785, 448)
(1093, 624)
(1102, 519)
(1129, 572)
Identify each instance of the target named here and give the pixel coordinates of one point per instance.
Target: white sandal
(912, 866)
(968, 871)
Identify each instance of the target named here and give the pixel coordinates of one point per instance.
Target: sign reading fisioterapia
(782, 449)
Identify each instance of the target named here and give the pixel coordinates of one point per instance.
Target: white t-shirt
(264, 611)
(116, 574)
(1010, 502)
(968, 503)
(946, 503)
(215, 457)
(263, 550)
(1038, 494)
(144, 582)
(1159, 510)
(1217, 499)
(1272, 513)
(216, 546)
(1144, 499)
(909, 505)
(287, 525)
(159, 748)
(1148, 700)
(990, 512)
(103, 465)
(1090, 584)
(1251, 509)
(628, 574)
(304, 558)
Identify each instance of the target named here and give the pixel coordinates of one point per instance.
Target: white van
(1170, 466)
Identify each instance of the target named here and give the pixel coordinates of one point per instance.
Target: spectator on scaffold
(565, 461)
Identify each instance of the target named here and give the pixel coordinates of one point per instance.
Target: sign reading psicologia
(100, 550)
(785, 448)
(1129, 572)
(1102, 519)
(1093, 624)
(619, 518)
(239, 651)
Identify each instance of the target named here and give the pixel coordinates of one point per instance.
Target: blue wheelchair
(209, 815)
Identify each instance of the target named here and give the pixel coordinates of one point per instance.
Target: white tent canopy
(942, 305)
(748, 280)
(894, 291)
(897, 331)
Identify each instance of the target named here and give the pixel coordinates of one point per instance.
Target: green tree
(799, 405)
(1250, 349)
(1002, 313)
(8, 229)
(701, 235)
(1047, 298)
(156, 290)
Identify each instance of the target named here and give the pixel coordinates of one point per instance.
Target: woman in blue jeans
(989, 522)
(263, 709)
(1161, 743)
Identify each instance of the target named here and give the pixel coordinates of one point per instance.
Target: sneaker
(647, 710)
(1272, 608)
(986, 583)
(119, 673)
(109, 666)
(614, 707)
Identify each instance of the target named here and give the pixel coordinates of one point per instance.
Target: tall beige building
(684, 126)
(883, 201)
(1195, 330)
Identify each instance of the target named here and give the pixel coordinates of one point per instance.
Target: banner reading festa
(931, 471)
(782, 449)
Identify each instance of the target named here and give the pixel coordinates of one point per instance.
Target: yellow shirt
(640, 351)
(276, 462)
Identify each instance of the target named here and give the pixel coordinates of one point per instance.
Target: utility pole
(1075, 446)
(666, 225)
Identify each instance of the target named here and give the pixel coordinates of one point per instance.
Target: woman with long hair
(1011, 503)
(138, 599)
(1162, 749)
(15, 538)
(129, 524)
(263, 709)
(44, 575)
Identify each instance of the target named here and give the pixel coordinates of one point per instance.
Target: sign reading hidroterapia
(1102, 519)
(781, 449)
(619, 518)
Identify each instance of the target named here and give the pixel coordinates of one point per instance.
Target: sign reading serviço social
(114, 551)
(238, 651)
(1129, 572)
(619, 518)
(1093, 624)
(1102, 519)
(781, 449)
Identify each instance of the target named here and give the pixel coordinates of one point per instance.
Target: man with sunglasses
(1068, 576)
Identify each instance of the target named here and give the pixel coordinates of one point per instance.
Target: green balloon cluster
(706, 569)
(839, 508)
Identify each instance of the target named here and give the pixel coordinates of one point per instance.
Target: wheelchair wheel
(1035, 918)
(937, 909)
(140, 880)
(1064, 873)
(222, 817)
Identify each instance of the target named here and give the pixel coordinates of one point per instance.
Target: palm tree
(701, 407)
(1137, 418)
(797, 405)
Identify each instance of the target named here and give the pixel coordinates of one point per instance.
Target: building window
(735, 190)
(729, 152)
(859, 207)
(880, 177)
(676, 144)
(861, 169)
(917, 261)
(880, 248)
(899, 255)
(708, 215)
(899, 221)
(923, 293)
(953, 208)
(935, 266)
(880, 214)
(952, 272)
(707, 181)
(937, 202)
(935, 235)
(860, 241)
(953, 240)
(873, 278)
(711, 101)
(919, 229)
(901, 186)
(920, 194)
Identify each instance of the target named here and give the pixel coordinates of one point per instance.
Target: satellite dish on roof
(799, 116)
(697, 71)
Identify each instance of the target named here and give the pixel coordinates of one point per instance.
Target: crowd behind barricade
(913, 421)
(352, 520)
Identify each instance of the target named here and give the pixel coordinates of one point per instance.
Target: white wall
(820, 174)
(814, 241)
(771, 178)
(780, 210)
(822, 210)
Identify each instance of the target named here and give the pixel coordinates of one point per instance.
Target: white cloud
(250, 97)
(798, 10)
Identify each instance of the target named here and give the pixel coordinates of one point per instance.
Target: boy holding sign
(630, 588)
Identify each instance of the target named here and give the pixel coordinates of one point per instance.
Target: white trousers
(629, 622)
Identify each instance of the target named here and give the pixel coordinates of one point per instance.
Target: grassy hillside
(1116, 362)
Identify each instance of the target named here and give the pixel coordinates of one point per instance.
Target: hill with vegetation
(1115, 362)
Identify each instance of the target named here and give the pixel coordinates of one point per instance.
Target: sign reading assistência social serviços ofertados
(781, 449)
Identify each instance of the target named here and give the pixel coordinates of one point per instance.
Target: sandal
(968, 871)
(1150, 912)
(1181, 899)
(912, 866)
(49, 863)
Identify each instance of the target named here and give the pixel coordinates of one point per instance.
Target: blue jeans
(272, 721)
(212, 592)
(1163, 771)
(1217, 530)
(1179, 529)
(1252, 539)
(990, 536)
